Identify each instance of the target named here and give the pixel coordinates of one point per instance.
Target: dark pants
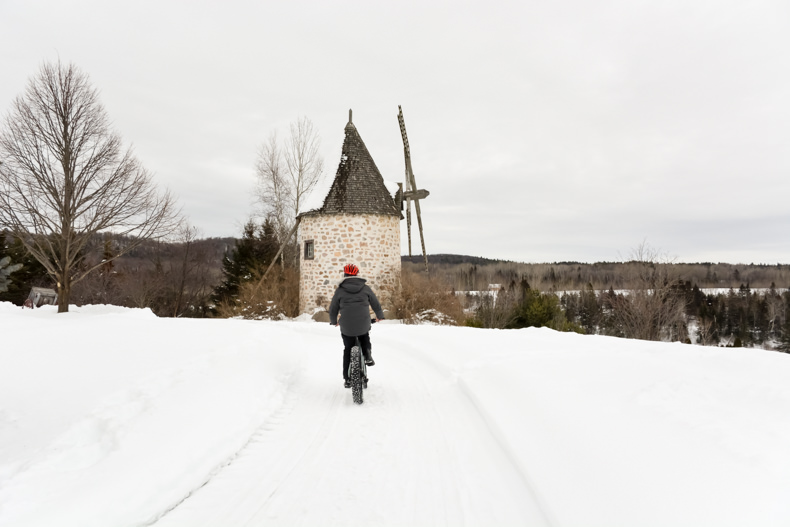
(350, 342)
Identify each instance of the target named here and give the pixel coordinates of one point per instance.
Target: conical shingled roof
(358, 187)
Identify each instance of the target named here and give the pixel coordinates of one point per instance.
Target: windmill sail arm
(416, 194)
(403, 134)
(411, 192)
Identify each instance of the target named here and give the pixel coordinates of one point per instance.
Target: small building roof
(358, 187)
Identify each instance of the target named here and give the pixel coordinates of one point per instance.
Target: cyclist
(352, 301)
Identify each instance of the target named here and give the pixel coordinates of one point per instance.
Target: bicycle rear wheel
(355, 374)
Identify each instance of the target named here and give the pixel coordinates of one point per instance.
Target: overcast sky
(545, 131)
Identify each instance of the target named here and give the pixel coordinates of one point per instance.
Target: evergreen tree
(253, 252)
(3, 244)
(591, 313)
(31, 274)
(784, 339)
(538, 309)
(268, 241)
(6, 268)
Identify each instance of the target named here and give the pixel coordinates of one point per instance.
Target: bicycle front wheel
(355, 374)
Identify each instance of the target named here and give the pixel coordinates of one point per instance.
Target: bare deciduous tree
(706, 330)
(775, 308)
(190, 280)
(654, 308)
(496, 310)
(274, 194)
(65, 177)
(287, 175)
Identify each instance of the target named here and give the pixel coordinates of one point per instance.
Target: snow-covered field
(113, 417)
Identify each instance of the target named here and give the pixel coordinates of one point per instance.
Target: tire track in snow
(276, 416)
(268, 464)
(442, 450)
(548, 518)
(275, 500)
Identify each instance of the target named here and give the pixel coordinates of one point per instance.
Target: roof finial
(349, 115)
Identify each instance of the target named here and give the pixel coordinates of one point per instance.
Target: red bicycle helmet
(351, 270)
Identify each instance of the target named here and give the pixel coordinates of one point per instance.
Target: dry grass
(425, 298)
(277, 297)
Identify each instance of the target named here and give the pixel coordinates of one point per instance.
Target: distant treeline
(704, 303)
(469, 273)
(738, 317)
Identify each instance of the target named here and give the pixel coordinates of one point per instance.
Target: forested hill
(452, 259)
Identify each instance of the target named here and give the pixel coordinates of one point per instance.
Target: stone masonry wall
(372, 242)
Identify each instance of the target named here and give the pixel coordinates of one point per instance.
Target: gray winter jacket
(352, 301)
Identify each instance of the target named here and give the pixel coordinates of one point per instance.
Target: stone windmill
(359, 223)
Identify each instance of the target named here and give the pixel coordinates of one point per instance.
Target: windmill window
(309, 250)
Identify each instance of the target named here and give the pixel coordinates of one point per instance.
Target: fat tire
(355, 376)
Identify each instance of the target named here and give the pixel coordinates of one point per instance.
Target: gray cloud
(544, 131)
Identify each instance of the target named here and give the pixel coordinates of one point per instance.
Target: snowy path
(417, 452)
(133, 420)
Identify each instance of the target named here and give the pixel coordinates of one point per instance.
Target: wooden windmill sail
(410, 191)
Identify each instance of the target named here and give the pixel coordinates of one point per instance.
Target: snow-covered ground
(113, 417)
